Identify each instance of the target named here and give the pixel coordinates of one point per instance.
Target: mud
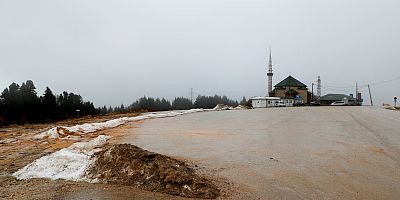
(130, 165)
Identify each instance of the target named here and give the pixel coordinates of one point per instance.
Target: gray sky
(112, 52)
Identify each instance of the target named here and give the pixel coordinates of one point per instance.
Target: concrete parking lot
(287, 153)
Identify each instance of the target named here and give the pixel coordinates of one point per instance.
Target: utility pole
(357, 100)
(370, 97)
(312, 92)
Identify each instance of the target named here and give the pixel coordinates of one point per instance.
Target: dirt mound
(130, 165)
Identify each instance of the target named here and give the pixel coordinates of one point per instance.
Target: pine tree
(244, 101)
(49, 104)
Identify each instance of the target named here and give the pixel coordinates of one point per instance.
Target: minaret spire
(270, 59)
(270, 74)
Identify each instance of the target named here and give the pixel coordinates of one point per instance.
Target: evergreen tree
(166, 105)
(211, 101)
(103, 110)
(110, 110)
(243, 102)
(182, 103)
(20, 104)
(49, 104)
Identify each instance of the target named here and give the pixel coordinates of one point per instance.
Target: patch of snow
(82, 129)
(8, 141)
(68, 163)
(52, 133)
(241, 107)
(65, 164)
(221, 107)
(88, 147)
(71, 163)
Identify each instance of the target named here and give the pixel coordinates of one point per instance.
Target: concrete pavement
(287, 153)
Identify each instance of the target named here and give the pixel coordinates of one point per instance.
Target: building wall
(259, 103)
(271, 103)
(288, 102)
(303, 93)
(264, 103)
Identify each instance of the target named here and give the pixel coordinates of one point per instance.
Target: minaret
(269, 74)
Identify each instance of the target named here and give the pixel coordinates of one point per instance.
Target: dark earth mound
(127, 164)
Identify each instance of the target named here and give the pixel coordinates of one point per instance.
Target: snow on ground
(71, 163)
(82, 129)
(68, 163)
(221, 107)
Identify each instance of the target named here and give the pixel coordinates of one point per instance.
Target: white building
(267, 102)
(264, 102)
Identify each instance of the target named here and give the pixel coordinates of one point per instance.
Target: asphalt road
(287, 153)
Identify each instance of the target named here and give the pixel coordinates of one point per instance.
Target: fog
(113, 52)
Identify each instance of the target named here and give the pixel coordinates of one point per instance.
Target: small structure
(267, 102)
(328, 99)
(264, 102)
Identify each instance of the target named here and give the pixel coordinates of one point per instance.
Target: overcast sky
(113, 52)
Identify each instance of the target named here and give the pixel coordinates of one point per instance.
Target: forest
(20, 104)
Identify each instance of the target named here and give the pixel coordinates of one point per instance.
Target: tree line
(20, 104)
(180, 103)
(151, 104)
(212, 101)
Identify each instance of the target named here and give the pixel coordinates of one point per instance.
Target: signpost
(395, 101)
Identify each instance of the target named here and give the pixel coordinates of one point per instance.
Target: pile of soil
(127, 164)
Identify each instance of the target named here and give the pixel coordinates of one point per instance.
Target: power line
(361, 86)
(333, 89)
(343, 87)
(383, 82)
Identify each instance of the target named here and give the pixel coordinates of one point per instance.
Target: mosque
(288, 92)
